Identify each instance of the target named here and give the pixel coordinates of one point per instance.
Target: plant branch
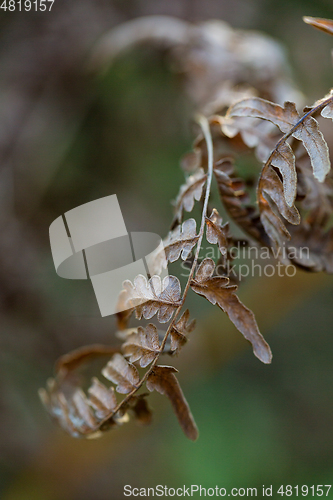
(203, 122)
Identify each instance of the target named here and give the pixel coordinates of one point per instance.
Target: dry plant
(294, 209)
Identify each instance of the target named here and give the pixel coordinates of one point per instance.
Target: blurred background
(72, 131)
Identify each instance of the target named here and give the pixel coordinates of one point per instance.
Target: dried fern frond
(152, 297)
(218, 291)
(295, 207)
(234, 196)
(287, 119)
(189, 192)
(180, 331)
(277, 193)
(142, 346)
(163, 380)
(79, 414)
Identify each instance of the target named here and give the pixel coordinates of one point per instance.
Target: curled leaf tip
(325, 25)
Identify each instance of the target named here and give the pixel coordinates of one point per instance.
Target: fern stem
(204, 124)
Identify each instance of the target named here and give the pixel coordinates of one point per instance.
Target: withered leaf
(67, 403)
(316, 147)
(325, 25)
(73, 414)
(152, 297)
(216, 233)
(89, 417)
(284, 159)
(218, 291)
(236, 200)
(322, 102)
(55, 403)
(315, 197)
(163, 380)
(272, 186)
(189, 192)
(255, 107)
(206, 270)
(72, 360)
(271, 191)
(83, 409)
(273, 225)
(141, 410)
(122, 373)
(255, 133)
(180, 330)
(143, 345)
(179, 243)
(288, 119)
(327, 111)
(102, 399)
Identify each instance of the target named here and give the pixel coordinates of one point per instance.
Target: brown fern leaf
(152, 297)
(218, 291)
(102, 399)
(58, 408)
(325, 25)
(83, 416)
(314, 197)
(90, 417)
(327, 111)
(254, 133)
(189, 192)
(163, 380)
(68, 405)
(179, 243)
(304, 129)
(142, 346)
(216, 233)
(272, 192)
(84, 410)
(141, 410)
(283, 159)
(69, 362)
(122, 373)
(274, 227)
(236, 200)
(288, 120)
(180, 331)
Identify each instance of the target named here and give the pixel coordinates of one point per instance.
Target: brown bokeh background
(69, 135)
